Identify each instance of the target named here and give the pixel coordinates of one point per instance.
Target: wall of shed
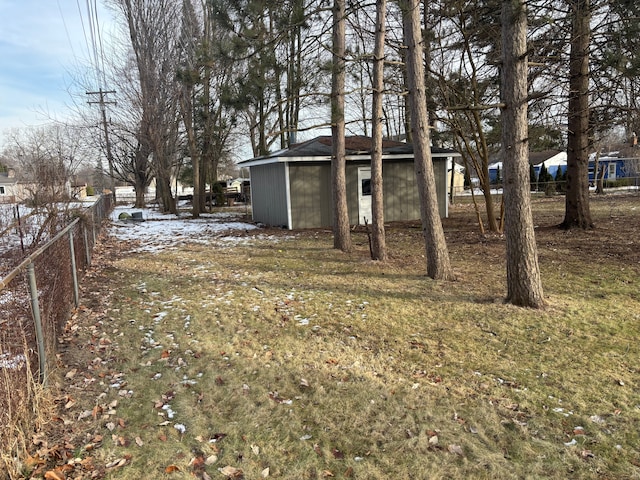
(401, 199)
(310, 193)
(269, 194)
(310, 187)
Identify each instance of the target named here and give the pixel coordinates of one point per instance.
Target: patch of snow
(161, 231)
(12, 362)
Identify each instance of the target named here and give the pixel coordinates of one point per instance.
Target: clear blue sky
(42, 42)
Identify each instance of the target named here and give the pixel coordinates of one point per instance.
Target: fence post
(74, 270)
(93, 226)
(87, 247)
(35, 307)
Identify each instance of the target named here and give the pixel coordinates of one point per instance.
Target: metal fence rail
(36, 300)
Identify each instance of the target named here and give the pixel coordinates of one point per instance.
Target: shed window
(366, 187)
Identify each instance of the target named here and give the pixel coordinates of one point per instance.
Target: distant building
(8, 186)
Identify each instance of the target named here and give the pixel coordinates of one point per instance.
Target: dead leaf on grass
(275, 396)
(455, 449)
(579, 431)
(54, 475)
(587, 454)
(197, 465)
(172, 469)
(120, 462)
(32, 462)
(232, 472)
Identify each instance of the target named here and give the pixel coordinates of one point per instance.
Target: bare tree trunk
(378, 241)
(341, 232)
(524, 285)
(577, 211)
(141, 175)
(186, 108)
(154, 57)
(598, 178)
(438, 264)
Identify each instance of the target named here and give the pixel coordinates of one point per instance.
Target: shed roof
(320, 149)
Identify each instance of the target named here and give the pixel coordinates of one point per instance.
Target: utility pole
(103, 102)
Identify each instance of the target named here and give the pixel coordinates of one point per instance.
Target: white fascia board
(288, 195)
(271, 160)
(326, 158)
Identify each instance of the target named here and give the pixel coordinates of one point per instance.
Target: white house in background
(552, 164)
(552, 160)
(8, 186)
(14, 190)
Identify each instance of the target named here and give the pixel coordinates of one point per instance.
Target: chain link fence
(36, 300)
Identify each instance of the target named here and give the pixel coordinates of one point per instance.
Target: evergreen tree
(560, 179)
(533, 179)
(544, 177)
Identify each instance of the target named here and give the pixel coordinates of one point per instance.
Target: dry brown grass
(26, 407)
(290, 360)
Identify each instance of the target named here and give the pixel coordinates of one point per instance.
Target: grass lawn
(283, 358)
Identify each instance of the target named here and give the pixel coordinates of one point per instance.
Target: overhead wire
(93, 27)
(66, 29)
(100, 42)
(87, 41)
(93, 41)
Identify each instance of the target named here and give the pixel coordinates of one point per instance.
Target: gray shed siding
(351, 174)
(269, 194)
(400, 192)
(311, 199)
(440, 172)
(310, 190)
(401, 199)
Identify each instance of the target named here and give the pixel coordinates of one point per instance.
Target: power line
(94, 42)
(100, 42)
(66, 29)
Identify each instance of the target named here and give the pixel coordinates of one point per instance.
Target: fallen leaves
(275, 396)
(119, 462)
(232, 472)
(456, 450)
(54, 475)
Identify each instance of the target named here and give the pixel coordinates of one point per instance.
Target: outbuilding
(291, 188)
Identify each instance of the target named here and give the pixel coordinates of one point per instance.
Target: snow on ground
(161, 231)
